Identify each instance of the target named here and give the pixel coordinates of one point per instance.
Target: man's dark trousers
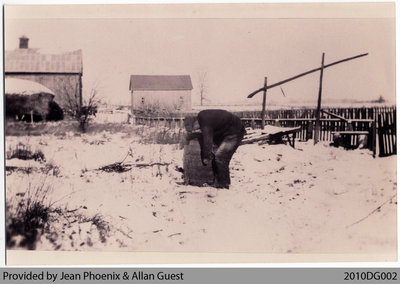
(223, 156)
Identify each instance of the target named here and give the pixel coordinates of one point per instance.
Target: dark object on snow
(15, 111)
(350, 139)
(27, 100)
(116, 167)
(179, 169)
(223, 129)
(22, 107)
(121, 167)
(55, 112)
(25, 154)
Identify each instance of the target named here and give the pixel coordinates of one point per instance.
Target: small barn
(161, 93)
(59, 72)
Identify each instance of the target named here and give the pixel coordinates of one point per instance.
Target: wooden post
(263, 104)
(373, 138)
(317, 115)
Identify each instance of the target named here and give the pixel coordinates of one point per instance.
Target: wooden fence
(112, 116)
(327, 126)
(387, 134)
(355, 119)
(170, 122)
(348, 113)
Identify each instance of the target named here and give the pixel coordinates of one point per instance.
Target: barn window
(181, 100)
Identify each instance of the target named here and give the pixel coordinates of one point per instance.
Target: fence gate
(387, 134)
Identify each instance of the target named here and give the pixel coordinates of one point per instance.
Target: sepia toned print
(198, 133)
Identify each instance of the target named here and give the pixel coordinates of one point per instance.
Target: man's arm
(193, 135)
(206, 149)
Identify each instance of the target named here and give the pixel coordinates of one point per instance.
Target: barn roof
(160, 82)
(31, 60)
(15, 86)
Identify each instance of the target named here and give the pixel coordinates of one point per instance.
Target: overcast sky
(236, 54)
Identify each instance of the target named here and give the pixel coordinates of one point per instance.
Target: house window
(142, 101)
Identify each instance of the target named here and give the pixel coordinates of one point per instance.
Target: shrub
(81, 111)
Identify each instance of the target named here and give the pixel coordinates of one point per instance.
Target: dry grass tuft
(24, 152)
(27, 214)
(31, 215)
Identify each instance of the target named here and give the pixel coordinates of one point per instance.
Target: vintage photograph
(257, 129)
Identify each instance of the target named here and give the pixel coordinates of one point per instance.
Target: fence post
(380, 136)
(309, 131)
(373, 138)
(263, 104)
(317, 115)
(253, 123)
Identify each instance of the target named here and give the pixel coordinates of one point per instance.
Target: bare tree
(203, 87)
(88, 109)
(79, 108)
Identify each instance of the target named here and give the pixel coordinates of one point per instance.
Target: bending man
(223, 129)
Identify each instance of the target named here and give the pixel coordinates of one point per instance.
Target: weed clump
(24, 152)
(101, 225)
(26, 217)
(31, 219)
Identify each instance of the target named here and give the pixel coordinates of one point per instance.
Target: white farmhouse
(161, 93)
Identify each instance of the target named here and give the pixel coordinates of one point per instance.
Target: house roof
(160, 82)
(31, 60)
(15, 86)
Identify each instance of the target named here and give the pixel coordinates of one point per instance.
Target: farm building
(61, 73)
(157, 93)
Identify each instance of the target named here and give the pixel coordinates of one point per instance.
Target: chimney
(23, 42)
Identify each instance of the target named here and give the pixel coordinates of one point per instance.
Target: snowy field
(307, 200)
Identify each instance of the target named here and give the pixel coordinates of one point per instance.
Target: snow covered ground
(307, 200)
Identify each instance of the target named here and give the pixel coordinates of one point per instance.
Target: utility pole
(263, 104)
(318, 111)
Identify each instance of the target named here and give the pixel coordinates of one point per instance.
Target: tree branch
(372, 212)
